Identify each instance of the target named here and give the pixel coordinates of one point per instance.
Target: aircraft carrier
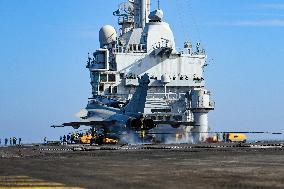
(144, 48)
(144, 44)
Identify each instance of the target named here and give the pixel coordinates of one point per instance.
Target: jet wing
(87, 123)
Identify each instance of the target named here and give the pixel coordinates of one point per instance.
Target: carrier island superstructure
(145, 43)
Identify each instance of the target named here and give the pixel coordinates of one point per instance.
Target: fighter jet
(98, 115)
(129, 117)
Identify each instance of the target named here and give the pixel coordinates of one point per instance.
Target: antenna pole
(158, 4)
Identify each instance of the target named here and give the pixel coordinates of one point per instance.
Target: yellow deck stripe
(14, 177)
(31, 184)
(21, 180)
(26, 182)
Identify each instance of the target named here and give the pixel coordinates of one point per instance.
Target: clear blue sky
(44, 46)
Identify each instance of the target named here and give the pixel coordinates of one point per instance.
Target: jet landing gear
(98, 137)
(99, 140)
(92, 141)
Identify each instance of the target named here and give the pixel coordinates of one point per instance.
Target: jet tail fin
(137, 103)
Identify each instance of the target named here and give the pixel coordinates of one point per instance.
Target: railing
(169, 96)
(131, 48)
(150, 96)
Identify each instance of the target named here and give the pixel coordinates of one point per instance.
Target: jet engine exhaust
(140, 124)
(134, 124)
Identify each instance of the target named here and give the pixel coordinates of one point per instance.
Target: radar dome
(107, 35)
(156, 15)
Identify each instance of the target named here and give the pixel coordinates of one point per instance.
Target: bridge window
(130, 47)
(160, 110)
(114, 90)
(101, 88)
(111, 77)
(103, 77)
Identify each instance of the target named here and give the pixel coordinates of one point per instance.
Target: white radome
(107, 35)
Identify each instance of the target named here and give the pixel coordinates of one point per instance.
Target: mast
(142, 11)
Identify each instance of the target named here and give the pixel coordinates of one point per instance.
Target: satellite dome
(107, 35)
